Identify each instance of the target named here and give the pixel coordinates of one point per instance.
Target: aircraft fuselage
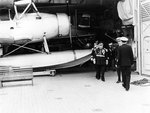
(31, 27)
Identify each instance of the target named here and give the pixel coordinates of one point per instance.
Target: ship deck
(75, 92)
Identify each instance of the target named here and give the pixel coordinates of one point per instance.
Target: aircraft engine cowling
(63, 24)
(6, 3)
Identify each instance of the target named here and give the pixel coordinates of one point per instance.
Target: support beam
(46, 48)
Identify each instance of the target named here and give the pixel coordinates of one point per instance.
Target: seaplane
(26, 27)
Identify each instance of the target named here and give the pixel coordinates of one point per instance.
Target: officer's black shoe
(123, 85)
(127, 89)
(103, 79)
(97, 78)
(118, 81)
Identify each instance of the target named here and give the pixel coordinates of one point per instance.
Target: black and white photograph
(74, 56)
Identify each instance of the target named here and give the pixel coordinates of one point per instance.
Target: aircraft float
(25, 28)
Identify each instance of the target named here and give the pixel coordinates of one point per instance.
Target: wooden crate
(10, 74)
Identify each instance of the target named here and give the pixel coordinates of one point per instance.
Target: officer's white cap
(124, 39)
(110, 44)
(118, 39)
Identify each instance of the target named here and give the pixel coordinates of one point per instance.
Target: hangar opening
(90, 21)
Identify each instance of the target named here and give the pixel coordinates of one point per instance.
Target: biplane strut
(46, 48)
(45, 44)
(25, 2)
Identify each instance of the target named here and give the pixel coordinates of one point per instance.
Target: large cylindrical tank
(6, 3)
